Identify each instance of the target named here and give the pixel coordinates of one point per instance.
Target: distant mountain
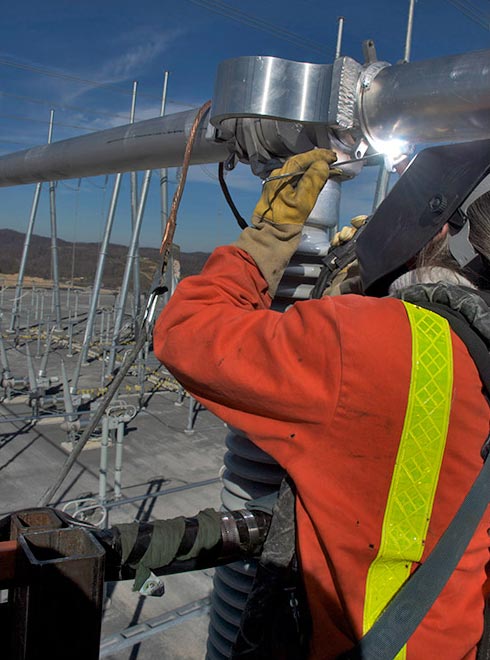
(81, 258)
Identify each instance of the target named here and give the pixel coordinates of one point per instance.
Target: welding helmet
(436, 188)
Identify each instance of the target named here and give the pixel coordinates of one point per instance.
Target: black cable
(221, 176)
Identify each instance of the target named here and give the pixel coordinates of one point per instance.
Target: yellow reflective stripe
(418, 462)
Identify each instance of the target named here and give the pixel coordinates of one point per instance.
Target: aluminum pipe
(440, 100)
(149, 144)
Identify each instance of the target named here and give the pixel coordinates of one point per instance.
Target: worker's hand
(346, 281)
(284, 206)
(348, 232)
(290, 199)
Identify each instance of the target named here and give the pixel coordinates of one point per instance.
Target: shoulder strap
(409, 606)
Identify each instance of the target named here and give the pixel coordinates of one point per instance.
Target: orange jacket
(323, 388)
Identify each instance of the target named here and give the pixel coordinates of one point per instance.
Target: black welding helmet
(437, 187)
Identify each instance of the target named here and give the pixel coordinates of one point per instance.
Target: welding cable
(169, 232)
(141, 325)
(224, 188)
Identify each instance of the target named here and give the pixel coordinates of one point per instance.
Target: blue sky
(119, 42)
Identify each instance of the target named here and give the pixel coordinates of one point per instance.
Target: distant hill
(84, 257)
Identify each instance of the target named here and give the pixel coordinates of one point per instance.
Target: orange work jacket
(323, 388)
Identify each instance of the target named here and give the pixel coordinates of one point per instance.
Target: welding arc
(142, 327)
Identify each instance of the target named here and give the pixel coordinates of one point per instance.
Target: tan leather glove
(282, 210)
(348, 232)
(347, 280)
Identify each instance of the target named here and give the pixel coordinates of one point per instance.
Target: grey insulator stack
(248, 471)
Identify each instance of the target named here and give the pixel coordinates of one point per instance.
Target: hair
(437, 254)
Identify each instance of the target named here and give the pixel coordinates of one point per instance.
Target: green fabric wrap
(165, 541)
(208, 535)
(128, 535)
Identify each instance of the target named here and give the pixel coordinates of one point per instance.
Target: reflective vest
(418, 462)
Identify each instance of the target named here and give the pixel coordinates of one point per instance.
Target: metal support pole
(38, 341)
(338, 47)
(134, 211)
(123, 294)
(4, 360)
(408, 39)
(118, 460)
(164, 170)
(141, 375)
(70, 340)
(36, 304)
(23, 260)
(54, 242)
(98, 279)
(44, 361)
(102, 371)
(101, 329)
(104, 450)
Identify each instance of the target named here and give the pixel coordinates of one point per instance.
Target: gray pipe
(149, 144)
(440, 100)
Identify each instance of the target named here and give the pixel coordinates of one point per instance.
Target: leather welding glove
(282, 210)
(348, 232)
(348, 279)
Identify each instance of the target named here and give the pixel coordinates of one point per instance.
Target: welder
(370, 402)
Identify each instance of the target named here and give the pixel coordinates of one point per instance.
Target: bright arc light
(394, 151)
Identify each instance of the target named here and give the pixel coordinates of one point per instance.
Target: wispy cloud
(134, 52)
(141, 48)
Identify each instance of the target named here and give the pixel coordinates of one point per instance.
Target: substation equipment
(265, 109)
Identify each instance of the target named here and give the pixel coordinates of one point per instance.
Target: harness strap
(410, 605)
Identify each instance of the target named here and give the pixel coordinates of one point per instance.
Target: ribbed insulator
(249, 472)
